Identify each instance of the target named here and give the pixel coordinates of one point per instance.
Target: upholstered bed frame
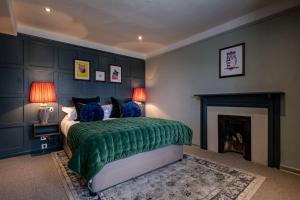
(122, 170)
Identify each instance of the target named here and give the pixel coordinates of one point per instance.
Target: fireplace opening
(234, 133)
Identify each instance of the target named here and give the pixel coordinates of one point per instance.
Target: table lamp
(43, 93)
(139, 95)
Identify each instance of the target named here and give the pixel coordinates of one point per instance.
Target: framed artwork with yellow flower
(82, 70)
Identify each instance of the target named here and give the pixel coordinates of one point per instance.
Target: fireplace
(269, 100)
(234, 135)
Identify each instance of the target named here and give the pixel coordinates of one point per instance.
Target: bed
(109, 152)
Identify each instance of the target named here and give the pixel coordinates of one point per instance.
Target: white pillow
(71, 113)
(107, 108)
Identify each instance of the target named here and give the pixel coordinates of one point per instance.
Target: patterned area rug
(191, 178)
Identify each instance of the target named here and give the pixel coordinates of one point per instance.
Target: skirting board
(32, 152)
(290, 169)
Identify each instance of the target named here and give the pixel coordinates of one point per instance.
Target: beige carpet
(27, 177)
(278, 185)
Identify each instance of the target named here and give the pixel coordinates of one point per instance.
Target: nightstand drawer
(49, 129)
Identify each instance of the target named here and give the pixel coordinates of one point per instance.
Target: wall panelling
(25, 58)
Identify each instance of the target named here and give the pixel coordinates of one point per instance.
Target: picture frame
(232, 61)
(82, 70)
(115, 73)
(100, 76)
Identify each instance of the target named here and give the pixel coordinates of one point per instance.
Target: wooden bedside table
(44, 130)
(49, 135)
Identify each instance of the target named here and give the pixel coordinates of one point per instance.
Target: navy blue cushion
(91, 112)
(78, 101)
(116, 108)
(131, 109)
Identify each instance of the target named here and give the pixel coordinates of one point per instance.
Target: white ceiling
(7, 22)
(116, 24)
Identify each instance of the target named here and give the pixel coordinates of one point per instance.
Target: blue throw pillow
(131, 109)
(78, 102)
(91, 112)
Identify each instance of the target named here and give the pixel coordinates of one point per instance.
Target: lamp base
(44, 115)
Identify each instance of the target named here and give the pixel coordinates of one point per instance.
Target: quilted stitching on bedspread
(95, 144)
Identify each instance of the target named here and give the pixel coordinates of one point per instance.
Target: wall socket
(44, 146)
(43, 138)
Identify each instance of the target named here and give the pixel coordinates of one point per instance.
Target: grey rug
(191, 178)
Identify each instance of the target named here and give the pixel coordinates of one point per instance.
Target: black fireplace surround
(269, 100)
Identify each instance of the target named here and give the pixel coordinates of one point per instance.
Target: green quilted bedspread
(95, 144)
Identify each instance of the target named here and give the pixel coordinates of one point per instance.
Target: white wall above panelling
(73, 40)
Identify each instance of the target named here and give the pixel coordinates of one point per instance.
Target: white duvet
(66, 124)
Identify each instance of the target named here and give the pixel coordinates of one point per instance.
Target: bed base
(122, 170)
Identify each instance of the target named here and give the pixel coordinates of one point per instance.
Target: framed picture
(100, 76)
(81, 70)
(115, 74)
(232, 61)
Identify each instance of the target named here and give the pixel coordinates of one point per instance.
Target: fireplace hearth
(234, 135)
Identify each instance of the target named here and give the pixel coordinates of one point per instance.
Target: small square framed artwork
(232, 61)
(99, 76)
(115, 73)
(81, 70)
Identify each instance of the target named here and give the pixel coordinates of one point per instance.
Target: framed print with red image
(115, 74)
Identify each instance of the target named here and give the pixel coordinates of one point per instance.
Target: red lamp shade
(42, 92)
(139, 94)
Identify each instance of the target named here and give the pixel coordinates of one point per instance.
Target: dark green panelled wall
(25, 58)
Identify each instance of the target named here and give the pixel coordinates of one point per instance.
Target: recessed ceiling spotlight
(47, 9)
(140, 38)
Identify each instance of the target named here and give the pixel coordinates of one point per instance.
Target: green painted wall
(272, 64)
(25, 58)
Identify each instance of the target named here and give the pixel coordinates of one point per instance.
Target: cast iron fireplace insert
(234, 135)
